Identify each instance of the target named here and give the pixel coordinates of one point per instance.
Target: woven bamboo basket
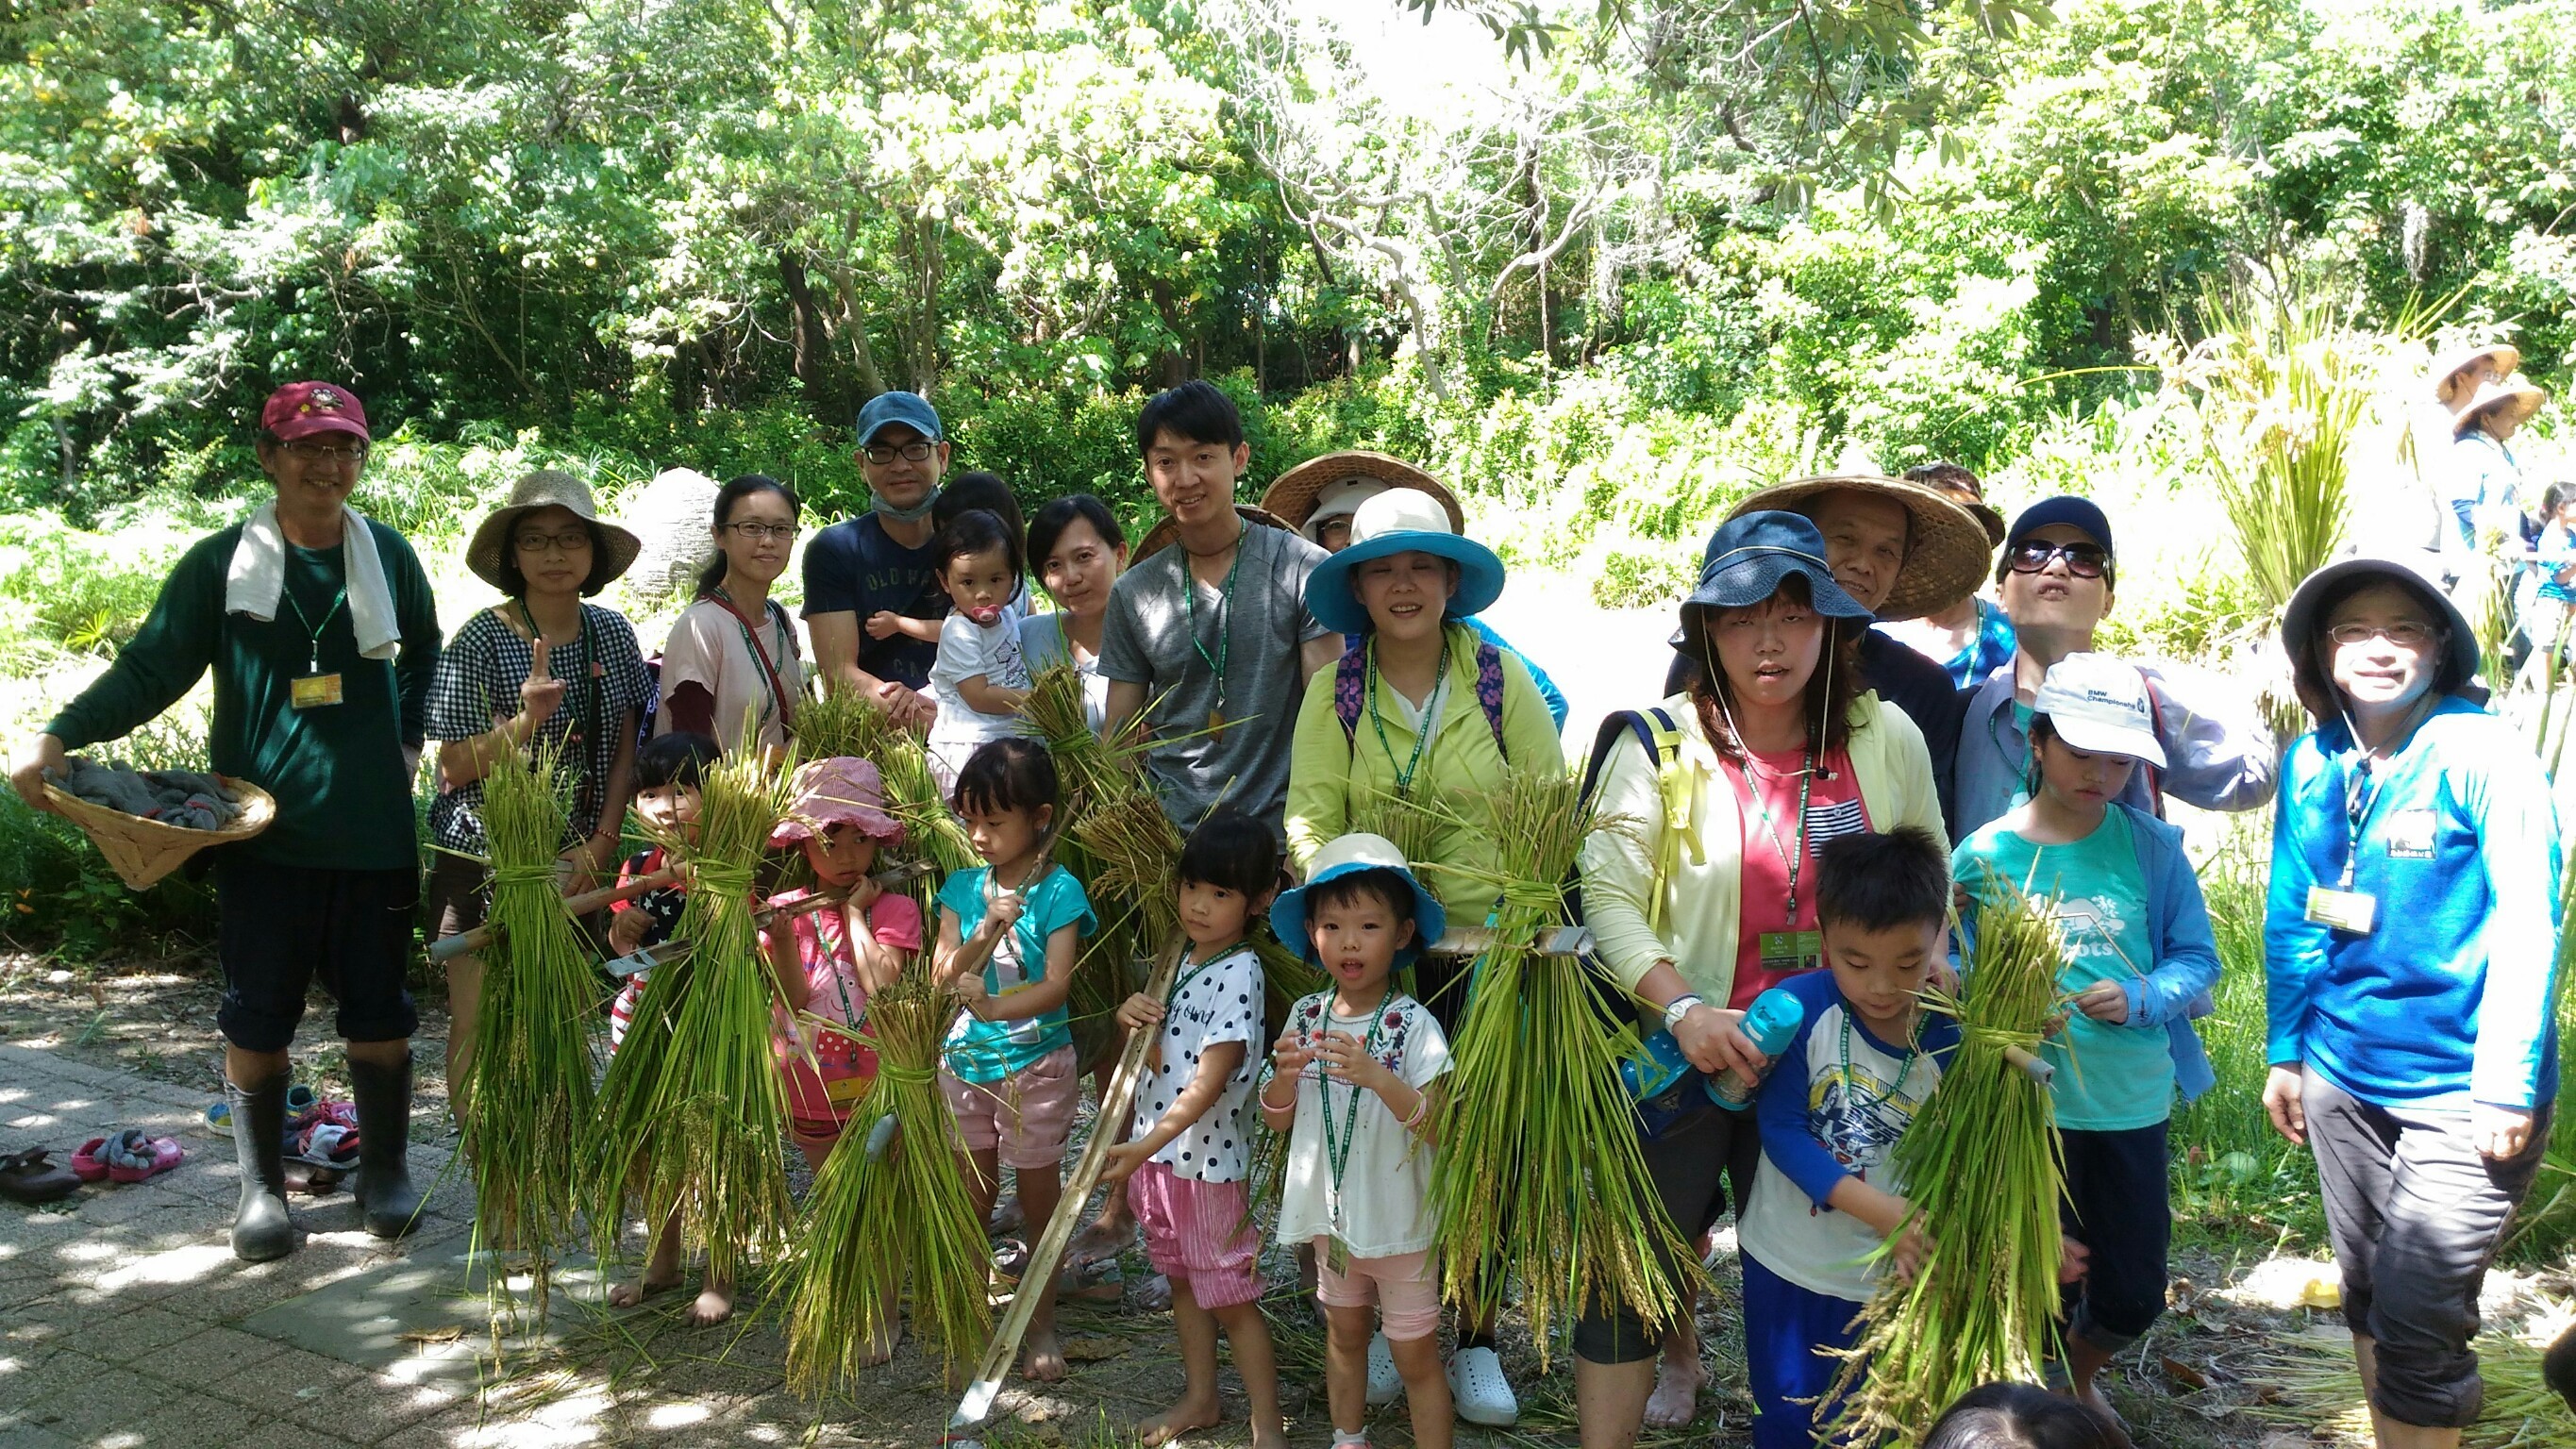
(143, 851)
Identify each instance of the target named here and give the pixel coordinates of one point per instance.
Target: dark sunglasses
(2084, 560)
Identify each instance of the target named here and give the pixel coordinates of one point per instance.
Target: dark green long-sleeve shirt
(343, 796)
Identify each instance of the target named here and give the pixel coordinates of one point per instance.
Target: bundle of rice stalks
(527, 1087)
(841, 723)
(1980, 1164)
(693, 1113)
(2311, 1384)
(1537, 1133)
(871, 1218)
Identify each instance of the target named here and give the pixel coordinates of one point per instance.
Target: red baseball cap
(301, 409)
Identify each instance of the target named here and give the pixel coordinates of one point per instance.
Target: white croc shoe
(1385, 1385)
(1482, 1394)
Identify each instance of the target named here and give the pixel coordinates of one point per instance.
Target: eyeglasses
(882, 454)
(2405, 633)
(2084, 560)
(304, 450)
(763, 532)
(574, 540)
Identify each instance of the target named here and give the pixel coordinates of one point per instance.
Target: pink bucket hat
(841, 790)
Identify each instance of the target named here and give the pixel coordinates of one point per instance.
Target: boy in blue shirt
(1840, 1095)
(2138, 954)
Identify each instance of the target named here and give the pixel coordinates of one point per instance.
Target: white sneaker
(1482, 1394)
(1385, 1385)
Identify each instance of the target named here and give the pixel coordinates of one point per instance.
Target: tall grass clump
(841, 723)
(693, 1114)
(872, 1222)
(1539, 1173)
(1980, 1164)
(527, 1087)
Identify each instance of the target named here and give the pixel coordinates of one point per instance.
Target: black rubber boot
(261, 1228)
(385, 1194)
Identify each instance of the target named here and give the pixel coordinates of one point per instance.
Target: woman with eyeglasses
(731, 670)
(541, 670)
(2056, 577)
(2410, 945)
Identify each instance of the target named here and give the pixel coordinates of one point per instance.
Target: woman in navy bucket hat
(1774, 747)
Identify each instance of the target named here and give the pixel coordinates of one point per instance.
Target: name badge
(2410, 834)
(2353, 911)
(312, 691)
(1337, 1256)
(1792, 950)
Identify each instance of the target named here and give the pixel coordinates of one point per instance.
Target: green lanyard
(313, 653)
(1337, 1153)
(1422, 729)
(1904, 1069)
(1224, 615)
(1192, 974)
(1789, 861)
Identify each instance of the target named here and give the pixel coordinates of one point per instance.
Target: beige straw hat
(1945, 560)
(2446, 372)
(2514, 397)
(612, 548)
(1292, 494)
(1160, 536)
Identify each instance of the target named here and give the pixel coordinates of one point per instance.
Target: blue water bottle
(1772, 1021)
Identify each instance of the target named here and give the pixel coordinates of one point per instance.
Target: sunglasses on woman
(2084, 560)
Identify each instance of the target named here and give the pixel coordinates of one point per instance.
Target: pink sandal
(131, 1156)
(87, 1165)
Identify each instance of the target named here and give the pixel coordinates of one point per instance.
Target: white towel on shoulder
(258, 576)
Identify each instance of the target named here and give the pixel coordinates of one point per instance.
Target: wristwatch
(1679, 1007)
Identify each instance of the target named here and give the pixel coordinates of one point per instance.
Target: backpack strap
(1350, 686)
(1489, 692)
(2155, 721)
(1655, 733)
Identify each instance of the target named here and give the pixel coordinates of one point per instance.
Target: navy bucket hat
(1749, 556)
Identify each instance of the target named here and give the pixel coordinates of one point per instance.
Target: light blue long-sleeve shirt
(2448, 999)
(2218, 751)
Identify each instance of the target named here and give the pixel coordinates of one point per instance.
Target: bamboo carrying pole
(1004, 1350)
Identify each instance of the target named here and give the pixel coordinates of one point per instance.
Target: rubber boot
(261, 1228)
(385, 1194)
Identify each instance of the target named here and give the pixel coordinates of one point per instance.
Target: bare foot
(2094, 1399)
(1274, 1438)
(627, 1295)
(1177, 1420)
(881, 1348)
(1675, 1401)
(1041, 1358)
(714, 1303)
(1105, 1238)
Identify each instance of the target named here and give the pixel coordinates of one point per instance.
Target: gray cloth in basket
(189, 798)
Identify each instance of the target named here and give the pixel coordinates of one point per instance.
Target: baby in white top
(980, 677)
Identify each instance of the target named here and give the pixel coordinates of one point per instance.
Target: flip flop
(87, 1162)
(134, 1156)
(29, 1178)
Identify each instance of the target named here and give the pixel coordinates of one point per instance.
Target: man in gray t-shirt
(1226, 738)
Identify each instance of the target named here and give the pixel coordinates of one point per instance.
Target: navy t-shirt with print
(853, 567)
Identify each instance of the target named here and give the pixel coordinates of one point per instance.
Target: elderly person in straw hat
(318, 625)
(1420, 708)
(1318, 497)
(1972, 636)
(1902, 550)
(541, 670)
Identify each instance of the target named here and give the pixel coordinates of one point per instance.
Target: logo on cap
(323, 398)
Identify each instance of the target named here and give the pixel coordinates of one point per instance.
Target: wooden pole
(467, 943)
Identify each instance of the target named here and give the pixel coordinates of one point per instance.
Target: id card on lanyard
(2340, 907)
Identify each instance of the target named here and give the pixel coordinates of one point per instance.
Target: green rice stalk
(1537, 1133)
(527, 1086)
(2313, 1384)
(1981, 1166)
(868, 1227)
(842, 723)
(693, 1113)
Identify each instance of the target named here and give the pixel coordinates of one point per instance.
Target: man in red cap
(320, 630)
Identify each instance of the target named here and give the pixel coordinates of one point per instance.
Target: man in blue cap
(864, 573)
(2056, 578)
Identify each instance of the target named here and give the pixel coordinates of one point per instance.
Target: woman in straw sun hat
(540, 670)
(2483, 495)
(1319, 497)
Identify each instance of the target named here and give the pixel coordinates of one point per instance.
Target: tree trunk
(854, 328)
(826, 391)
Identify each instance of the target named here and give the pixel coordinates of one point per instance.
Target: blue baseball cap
(2081, 513)
(1349, 855)
(908, 408)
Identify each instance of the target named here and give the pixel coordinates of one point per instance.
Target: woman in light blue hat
(1421, 707)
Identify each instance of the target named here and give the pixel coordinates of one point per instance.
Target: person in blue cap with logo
(1773, 748)
(1421, 707)
(2056, 577)
(863, 573)
(2410, 950)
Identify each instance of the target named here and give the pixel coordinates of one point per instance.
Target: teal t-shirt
(2109, 1078)
(987, 1051)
